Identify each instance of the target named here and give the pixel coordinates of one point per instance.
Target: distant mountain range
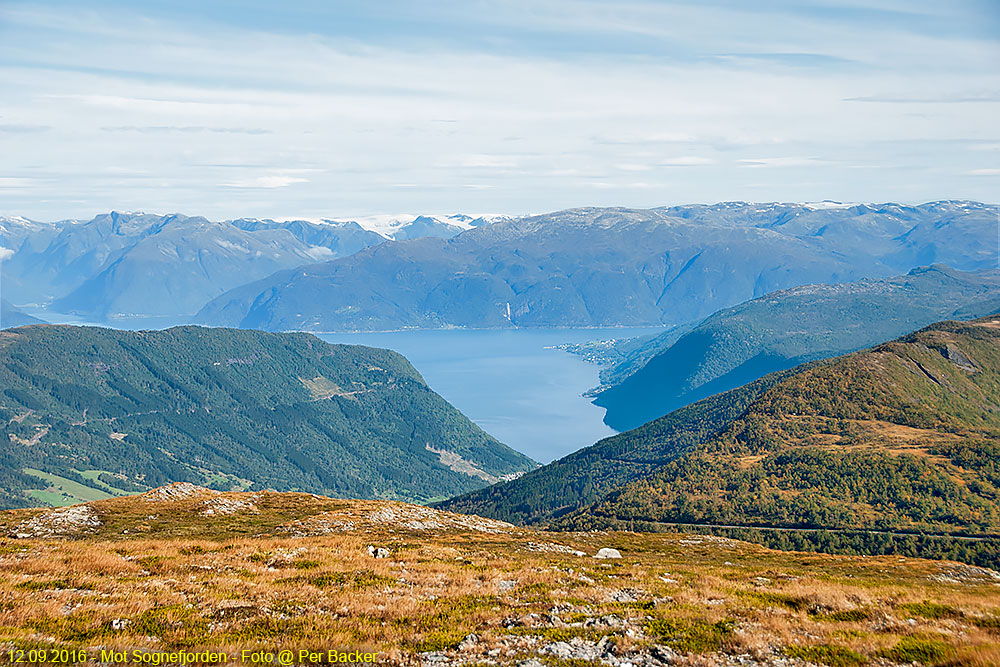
(610, 266)
(783, 329)
(899, 437)
(232, 409)
(408, 227)
(121, 265)
(575, 268)
(12, 317)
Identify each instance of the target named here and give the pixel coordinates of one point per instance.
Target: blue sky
(336, 109)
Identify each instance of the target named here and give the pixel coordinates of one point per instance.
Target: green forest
(228, 409)
(901, 438)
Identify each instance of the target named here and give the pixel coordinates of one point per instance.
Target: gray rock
(606, 621)
(624, 595)
(555, 621)
(607, 552)
(560, 650)
(378, 552)
(579, 649)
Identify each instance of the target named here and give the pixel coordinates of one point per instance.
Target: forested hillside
(89, 410)
(904, 436)
(783, 329)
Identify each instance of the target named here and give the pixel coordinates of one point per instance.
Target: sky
(336, 109)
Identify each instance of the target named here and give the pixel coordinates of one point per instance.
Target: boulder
(608, 553)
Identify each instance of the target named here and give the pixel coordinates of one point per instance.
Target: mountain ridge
(132, 264)
(781, 330)
(232, 409)
(796, 448)
(604, 267)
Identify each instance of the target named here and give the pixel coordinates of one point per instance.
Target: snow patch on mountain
(320, 253)
(826, 204)
(397, 226)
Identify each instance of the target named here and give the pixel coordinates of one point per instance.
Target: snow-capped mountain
(402, 227)
(125, 264)
(612, 266)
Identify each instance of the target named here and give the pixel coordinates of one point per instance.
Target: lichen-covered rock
(227, 506)
(367, 515)
(176, 491)
(61, 522)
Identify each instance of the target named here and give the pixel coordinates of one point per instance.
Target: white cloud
(670, 137)
(493, 161)
(789, 161)
(220, 120)
(266, 182)
(5, 253)
(687, 161)
(984, 172)
(15, 182)
(633, 167)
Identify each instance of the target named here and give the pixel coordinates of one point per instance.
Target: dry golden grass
(229, 583)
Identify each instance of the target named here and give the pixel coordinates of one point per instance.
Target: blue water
(508, 383)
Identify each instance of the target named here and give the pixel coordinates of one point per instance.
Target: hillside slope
(903, 436)
(544, 494)
(783, 329)
(180, 570)
(112, 411)
(609, 267)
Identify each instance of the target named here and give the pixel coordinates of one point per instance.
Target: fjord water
(512, 383)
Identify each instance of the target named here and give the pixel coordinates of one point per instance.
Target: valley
(784, 465)
(511, 334)
(770, 500)
(512, 383)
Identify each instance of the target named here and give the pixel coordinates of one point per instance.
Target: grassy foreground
(186, 569)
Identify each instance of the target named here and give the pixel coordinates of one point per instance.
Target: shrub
(930, 610)
(827, 654)
(849, 616)
(690, 636)
(915, 649)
